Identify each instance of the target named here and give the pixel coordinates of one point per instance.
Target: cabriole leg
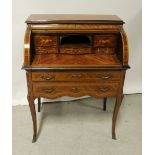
(115, 114)
(33, 114)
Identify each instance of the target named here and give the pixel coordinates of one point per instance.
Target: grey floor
(79, 128)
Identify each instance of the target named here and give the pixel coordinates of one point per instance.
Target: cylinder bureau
(75, 55)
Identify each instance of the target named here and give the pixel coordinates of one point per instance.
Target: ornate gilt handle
(75, 89)
(49, 90)
(48, 77)
(104, 76)
(76, 75)
(104, 89)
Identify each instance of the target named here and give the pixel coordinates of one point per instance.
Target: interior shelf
(75, 40)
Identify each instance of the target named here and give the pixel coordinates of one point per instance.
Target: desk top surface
(73, 18)
(65, 60)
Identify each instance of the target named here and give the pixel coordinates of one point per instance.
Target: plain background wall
(128, 10)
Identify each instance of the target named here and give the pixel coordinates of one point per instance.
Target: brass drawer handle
(75, 89)
(104, 89)
(76, 75)
(104, 76)
(50, 90)
(49, 77)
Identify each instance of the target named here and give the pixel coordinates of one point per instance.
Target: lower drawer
(55, 89)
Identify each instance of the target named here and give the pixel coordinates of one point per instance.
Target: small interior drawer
(105, 40)
(45, 50)
(104, 50)
(75, 50)
(45, 40)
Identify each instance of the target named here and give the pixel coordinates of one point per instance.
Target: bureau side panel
(27, 54)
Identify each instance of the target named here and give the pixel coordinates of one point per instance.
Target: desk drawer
(105, 40)
(104, 50)
(55, 89)
(76, 76)
(46, 50)
(75, 50)
(45, 40)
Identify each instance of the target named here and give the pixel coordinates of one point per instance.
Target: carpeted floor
(79, 128)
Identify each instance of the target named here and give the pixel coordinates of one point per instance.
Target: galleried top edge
(73, 18)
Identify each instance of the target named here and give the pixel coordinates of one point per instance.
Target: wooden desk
(75, 55)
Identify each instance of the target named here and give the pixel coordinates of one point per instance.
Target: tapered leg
(104, 103)
(39, 104)
(33, 114)
(115, 113)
